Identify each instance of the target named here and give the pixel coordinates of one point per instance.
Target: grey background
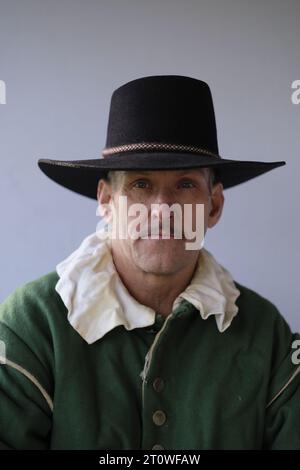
(61, 60)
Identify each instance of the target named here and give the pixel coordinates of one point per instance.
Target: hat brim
(82, 176)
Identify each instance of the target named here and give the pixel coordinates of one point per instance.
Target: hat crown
(163, 109)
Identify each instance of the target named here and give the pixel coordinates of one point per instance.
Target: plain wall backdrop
(62, 59)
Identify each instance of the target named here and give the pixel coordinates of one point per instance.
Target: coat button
(158, 384)
(158, 447)
(159, 418)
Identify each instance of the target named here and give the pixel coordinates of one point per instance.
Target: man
(136, 341)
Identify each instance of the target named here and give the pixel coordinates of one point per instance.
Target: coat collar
(97, 300)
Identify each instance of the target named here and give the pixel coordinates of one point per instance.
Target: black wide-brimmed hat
(160, 122)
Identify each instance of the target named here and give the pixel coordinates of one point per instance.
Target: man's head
(181, 187)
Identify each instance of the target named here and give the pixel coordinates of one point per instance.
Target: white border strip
(4, 361)
(297, 371)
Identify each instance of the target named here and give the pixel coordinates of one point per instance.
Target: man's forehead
(179, 172)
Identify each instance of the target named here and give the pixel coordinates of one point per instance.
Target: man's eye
(187, 184)
(141, 184)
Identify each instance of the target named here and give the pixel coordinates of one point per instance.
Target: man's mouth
(161, 235)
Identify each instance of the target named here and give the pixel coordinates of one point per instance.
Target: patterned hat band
(149, 146)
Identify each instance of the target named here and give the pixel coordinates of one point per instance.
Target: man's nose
(164, 196)
(160, 205)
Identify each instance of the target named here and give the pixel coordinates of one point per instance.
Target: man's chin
(158, 269)
(161, 239)
(162, 260)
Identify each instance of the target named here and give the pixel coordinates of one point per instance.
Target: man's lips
(161, 234)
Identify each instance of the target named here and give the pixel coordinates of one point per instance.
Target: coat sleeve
(282, 421)
(25, 374)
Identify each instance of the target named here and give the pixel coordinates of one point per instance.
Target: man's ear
(103, 191)
(104, 196)
(216, 206)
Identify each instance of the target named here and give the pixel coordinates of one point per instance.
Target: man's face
(181, 187)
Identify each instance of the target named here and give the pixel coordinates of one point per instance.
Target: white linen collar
(97, 300)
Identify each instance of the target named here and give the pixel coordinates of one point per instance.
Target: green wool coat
(197, 389)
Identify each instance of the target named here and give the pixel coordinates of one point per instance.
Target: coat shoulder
(257, 309)
(33, 300)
